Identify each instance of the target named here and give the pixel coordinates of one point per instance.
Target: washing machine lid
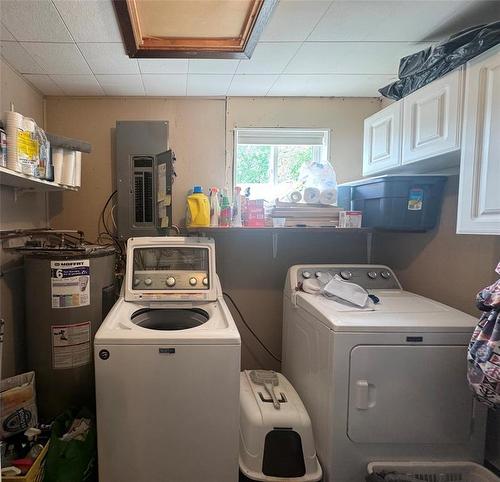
(397, 311)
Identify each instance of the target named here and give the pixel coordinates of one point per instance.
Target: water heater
(144, 167)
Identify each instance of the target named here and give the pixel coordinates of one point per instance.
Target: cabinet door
(479, 192)
(432, 119)
(382, 141)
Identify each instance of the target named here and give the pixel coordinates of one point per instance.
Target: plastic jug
(198, 209)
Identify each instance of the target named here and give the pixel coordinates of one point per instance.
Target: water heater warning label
(70, 345)
(70, 281)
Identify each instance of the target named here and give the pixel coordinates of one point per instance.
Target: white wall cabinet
(382, 140)
(432, 119)
(479, 192)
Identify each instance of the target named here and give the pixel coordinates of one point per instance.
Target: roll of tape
(295, 196)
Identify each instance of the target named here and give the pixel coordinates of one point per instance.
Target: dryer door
(409, 395)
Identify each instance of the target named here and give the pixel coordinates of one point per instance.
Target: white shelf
(18, 180)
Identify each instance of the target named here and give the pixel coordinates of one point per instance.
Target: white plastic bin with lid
(275, 445)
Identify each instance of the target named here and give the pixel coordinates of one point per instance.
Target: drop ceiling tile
(57, 58)
(44, 84)
(5, 34)
(121, 84)
(251, 85)
(90, 20)
(351, 57)
(162, 66)
(165, 85)
(268, 58)
(294, 20)
(201, 84)
(384, 20)
(18, 58)
(329, 85)
(108, 58)
(78, 84)
(213, 66)
(34, 21)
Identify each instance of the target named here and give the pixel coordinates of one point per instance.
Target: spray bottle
(225, 211)
(214, 207)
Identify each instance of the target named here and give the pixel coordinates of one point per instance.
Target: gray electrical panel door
(138, 148)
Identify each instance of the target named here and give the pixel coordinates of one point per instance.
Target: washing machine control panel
(367, 276)
(174, 280)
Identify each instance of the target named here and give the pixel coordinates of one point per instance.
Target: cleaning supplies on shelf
(214, 207)
(198, 209)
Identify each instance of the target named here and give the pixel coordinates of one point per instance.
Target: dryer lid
(397, 311)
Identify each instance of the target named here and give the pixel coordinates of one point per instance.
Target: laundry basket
(436, 471)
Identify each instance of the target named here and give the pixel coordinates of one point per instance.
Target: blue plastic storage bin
(400, 203)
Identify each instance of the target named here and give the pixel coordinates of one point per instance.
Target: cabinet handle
(362, 395)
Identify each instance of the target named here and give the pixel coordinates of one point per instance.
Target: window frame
(316, 148)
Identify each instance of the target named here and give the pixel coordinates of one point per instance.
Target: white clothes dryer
(167, 362)
(387, 383)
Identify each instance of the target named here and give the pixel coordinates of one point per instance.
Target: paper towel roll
(14, 124)
(68, 168)
(78, 169)
(57, 161)
(328, 196)
(311, 195)
(295, 196)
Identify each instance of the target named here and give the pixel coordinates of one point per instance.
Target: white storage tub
(437, 471)
(275, 445)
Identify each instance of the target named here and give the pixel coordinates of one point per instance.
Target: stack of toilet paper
(313, 195)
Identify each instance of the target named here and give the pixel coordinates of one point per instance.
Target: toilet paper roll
(328, 196)
(311, 195)
(295, 196)
(68, 168)
(78, 169)
(57, 162)
(14, 125)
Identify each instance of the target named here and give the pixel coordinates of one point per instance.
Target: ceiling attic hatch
(207, 29)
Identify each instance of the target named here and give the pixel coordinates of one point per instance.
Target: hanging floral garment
(484, 348)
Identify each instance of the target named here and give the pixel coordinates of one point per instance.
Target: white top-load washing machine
(383, 383)
(167, 362)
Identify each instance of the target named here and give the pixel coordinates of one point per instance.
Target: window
(269, 160)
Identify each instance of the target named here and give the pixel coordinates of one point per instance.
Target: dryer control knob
(345, 275)
(372, 274)
(385, 274)
(136, 281)
(193, 281)
(148, 281)
(318, 274)
(170, 281)
(205, 281)
(306, 274)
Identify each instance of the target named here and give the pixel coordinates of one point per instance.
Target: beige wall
(196, 133)
(344, 116)
(26, 210)
(441, 264)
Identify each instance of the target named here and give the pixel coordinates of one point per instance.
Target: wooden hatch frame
(240, 47)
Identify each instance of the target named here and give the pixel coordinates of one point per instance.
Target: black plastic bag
(423, 67)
